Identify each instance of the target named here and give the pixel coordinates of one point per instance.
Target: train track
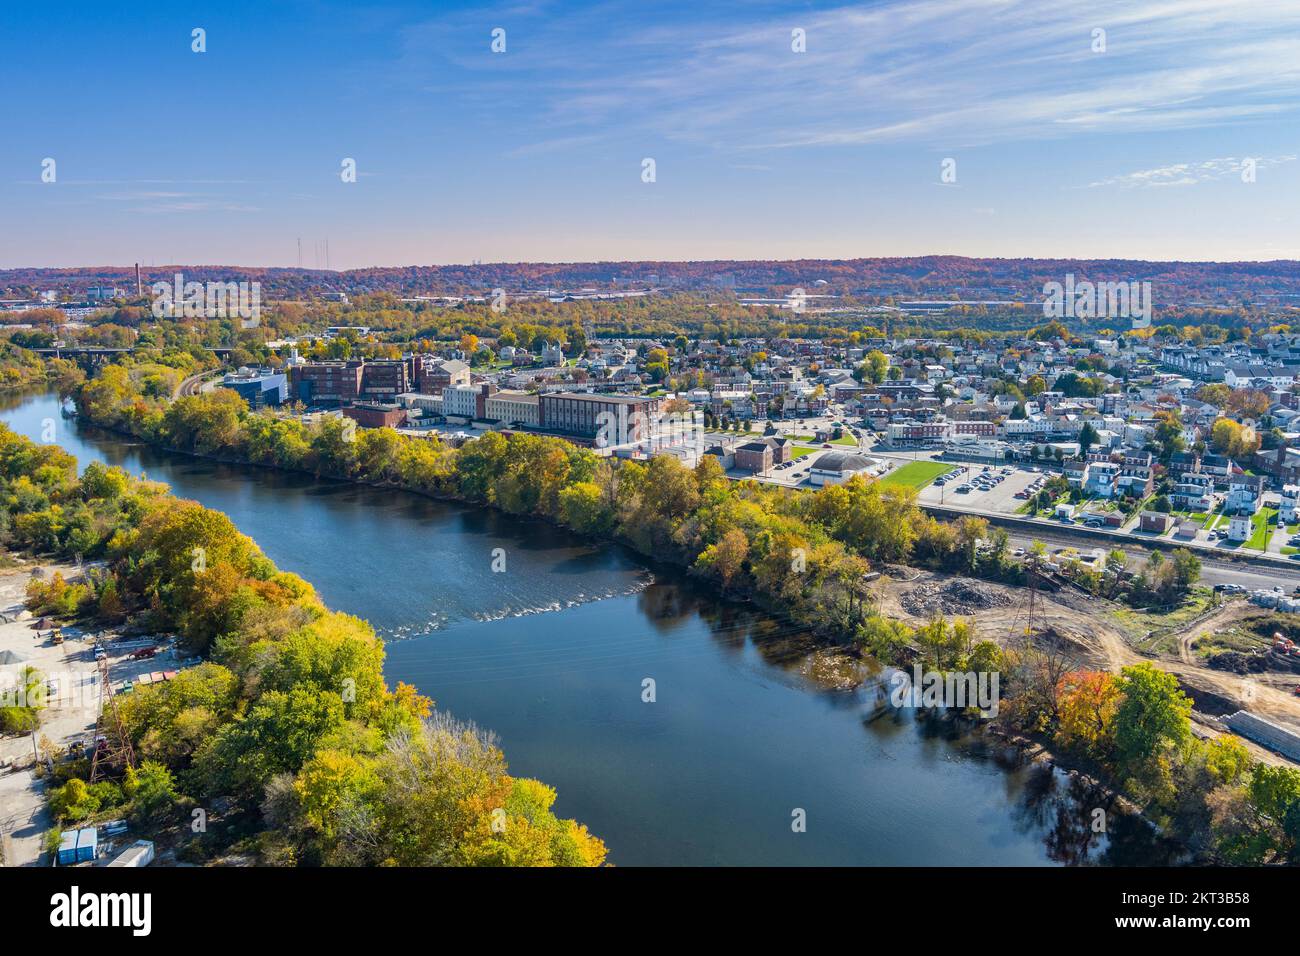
(191, 386)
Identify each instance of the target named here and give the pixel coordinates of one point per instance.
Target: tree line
(287, 721)
(805, 555)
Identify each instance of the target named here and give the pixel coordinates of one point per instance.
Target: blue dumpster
(87, 844)
(68, 848)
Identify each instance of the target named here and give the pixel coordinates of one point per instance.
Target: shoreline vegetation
(285, 740)
(802, 555)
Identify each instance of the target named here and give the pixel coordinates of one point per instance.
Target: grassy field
(1261, 530)
(802, 451)
(1159, 632)
(917, 474)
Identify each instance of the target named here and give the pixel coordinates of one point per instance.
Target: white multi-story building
(460, 401)
(512, 408)
(1287, 506)
(1018, 427)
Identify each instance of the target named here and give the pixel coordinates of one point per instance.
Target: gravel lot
(72, 714)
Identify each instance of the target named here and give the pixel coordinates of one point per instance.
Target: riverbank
(903, 654)
(709, 773)
(572, 723)
(292, 695)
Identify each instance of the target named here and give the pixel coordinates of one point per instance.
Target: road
(1213, 571)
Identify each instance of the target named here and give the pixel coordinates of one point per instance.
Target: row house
(1242, 375)
(1288, 501)
(1218, 467)
(1137, 481)
(1244, 494)
(1102, 479)
(1282, 463)
(1193, 492)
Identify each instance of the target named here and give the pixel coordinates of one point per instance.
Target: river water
(748, 726)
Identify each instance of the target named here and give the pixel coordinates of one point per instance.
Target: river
(551, 653)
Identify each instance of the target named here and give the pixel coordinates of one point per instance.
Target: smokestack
(139, 289)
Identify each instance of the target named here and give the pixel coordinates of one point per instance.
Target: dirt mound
(954, 596)
(1236, 662)
(1254, 662)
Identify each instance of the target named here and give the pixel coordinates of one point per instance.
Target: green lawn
(1262, 530)
(917, 474)
(802, 451)
(845, 440)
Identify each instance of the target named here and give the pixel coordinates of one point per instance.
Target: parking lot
(990, 488)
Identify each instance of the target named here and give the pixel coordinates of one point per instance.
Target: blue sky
(230, 156)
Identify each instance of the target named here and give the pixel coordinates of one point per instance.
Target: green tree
(151, 789)
(1088, 437)
(1153, 720)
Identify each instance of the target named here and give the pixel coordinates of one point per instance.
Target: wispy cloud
(150, 201)
(194, 205)
(938, 72)
(1189, 174)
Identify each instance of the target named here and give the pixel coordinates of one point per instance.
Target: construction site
(1100, 634)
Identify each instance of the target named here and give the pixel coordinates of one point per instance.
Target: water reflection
(753, 717)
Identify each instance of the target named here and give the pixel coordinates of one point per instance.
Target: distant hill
(1221, 283)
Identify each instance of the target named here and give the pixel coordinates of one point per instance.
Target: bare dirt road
(1084, 627)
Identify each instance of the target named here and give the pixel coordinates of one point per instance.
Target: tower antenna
(112, 742)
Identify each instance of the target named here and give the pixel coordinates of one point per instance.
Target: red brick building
(375, 415)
